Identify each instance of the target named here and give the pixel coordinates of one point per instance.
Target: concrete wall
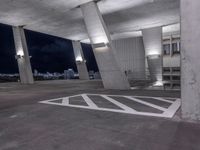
(190, 59)
(131, 56)
(152, 38)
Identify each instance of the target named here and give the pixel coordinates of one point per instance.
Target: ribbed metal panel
(131, 56)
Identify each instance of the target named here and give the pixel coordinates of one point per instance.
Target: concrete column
(113, 77)
(80, 61)
(22, 56)
(152, 38)
(190, 59)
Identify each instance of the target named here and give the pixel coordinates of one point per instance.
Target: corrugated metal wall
(131, 56)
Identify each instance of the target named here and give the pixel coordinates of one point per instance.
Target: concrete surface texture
(124, 18)
(80, 61)
(27, 124)
(104, 52)
(190, 59)
(152, 38)
(22, 56)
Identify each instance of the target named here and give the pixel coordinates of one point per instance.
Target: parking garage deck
(27, 124)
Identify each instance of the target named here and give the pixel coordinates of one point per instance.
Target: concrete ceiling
(124, 18)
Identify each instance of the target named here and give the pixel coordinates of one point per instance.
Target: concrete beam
(113, 77)
(190, 55)
(152, 38)
(80, 61)
(22, 56)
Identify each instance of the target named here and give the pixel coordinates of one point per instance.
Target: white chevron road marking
(165, 112)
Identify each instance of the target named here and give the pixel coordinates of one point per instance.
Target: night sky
(49, 53)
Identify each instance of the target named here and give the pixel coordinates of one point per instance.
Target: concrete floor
(27, 125)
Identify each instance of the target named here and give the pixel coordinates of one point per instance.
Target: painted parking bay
(137, 105)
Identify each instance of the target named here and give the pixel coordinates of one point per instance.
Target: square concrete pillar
(152, 38)
(22, 56)
(190, 59)
(112, 75)
(80, 61)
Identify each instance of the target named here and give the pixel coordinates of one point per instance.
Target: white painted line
(157, 98)
(172, 109)
(59, 98)
(146, 103)
(167, 113)
(107, 109)
(126, 108)
(65, 101)
(55, 99)
(133, 96)
(162, 99)
(89, 101)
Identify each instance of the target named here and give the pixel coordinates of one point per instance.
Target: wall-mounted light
(158, 83)
(20, 54)
(18, 57)
(153, 52)
(100, 45)
(154, 56)
(79, 59)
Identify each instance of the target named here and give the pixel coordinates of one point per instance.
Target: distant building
(69, 74)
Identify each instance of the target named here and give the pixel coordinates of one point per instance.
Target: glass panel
(175, 48)
(166, 48)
